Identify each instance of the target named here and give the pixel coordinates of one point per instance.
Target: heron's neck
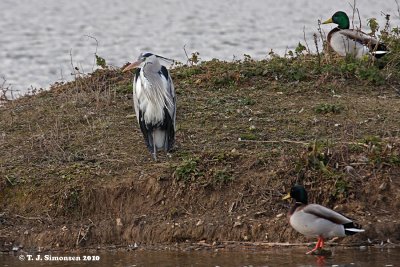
(153, 66)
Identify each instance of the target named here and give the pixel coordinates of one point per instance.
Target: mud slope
(74, 170)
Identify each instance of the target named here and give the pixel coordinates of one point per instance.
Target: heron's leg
(154, 148)
(317, 246)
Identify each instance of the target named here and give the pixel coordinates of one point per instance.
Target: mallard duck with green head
(345, 41)
(313, 220)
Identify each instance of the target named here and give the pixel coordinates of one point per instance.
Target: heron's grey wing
(171, 92)
(170, 119)
(136, 83)
(325, 213)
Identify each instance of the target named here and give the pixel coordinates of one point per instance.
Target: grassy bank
(75, 172)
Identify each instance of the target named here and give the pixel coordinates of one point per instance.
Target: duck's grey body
(352, 42)
(314, 220)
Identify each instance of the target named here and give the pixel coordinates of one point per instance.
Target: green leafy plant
(223, 176)
(326, 108)
(340, 189)
(300, 49)
(101, 62)
(373, 25)
(187, 170)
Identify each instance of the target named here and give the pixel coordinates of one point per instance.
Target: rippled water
(38, 37)
(370, 257)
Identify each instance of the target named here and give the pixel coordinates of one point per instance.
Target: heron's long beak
(287, 196)
(132, 66)
(328, 21)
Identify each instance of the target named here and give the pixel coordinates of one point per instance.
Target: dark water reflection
(269, 257)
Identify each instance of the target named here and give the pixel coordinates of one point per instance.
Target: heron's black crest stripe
(164, 72)
(137, 74)
(147, 54)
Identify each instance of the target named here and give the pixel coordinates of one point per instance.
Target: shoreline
(76, 174)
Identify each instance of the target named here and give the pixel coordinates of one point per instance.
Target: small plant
(371, 74)
(317, 157)
(300, 49)
(326, 108)
(194, 59)
(13, 180)
(124, 89)
(373, 25)
(247, 101)
(186, 72)
(223, 177)
(341, 189)
(5, 91)
(247, 58)
(248, 136)
(101, 62)
(372, 140)
(72, 199)
(187, 170)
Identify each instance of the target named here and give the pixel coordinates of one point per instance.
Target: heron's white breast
(153, 111)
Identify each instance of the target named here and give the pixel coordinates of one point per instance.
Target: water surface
(39, 38)
(368, 257)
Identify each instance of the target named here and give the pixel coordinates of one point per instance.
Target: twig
(298, 142)
(72, 63)
(29, 218)
(353, 7)
(274, 141)
(398, 7)
(359, 17)
(11, 182)
(316, 47)
(4, 90)
(85, 232)
(187, 56)
(321, 35)
(305, 40)
(95, 52)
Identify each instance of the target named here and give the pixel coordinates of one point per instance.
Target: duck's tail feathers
(352, 228)
(379, 53)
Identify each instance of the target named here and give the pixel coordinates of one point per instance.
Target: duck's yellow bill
(287, 196)
(328, 21)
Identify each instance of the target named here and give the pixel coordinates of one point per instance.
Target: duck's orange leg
(320, 244)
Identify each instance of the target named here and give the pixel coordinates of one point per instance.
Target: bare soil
(75, 172)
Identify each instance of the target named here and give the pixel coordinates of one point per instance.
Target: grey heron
(345, 41)
(155, 102)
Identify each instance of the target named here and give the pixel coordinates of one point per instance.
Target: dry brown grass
(246, 132)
